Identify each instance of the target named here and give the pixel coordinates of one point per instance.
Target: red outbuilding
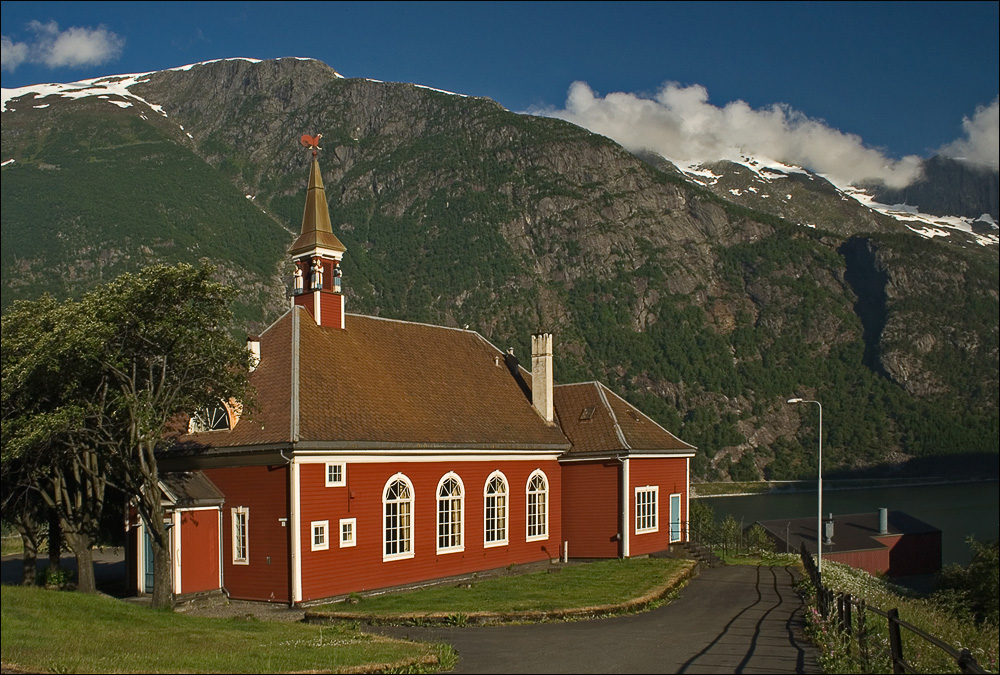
(385, 453)
(884, 542)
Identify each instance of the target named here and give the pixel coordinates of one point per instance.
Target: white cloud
(12, 54)
(981, 144)
(73, 47)
(680, 124)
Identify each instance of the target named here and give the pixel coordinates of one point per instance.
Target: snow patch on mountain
(767, 170)
(105, 87)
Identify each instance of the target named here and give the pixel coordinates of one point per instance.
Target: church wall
(669, 475)
(336, 570)
(263, 491)
(591, 508)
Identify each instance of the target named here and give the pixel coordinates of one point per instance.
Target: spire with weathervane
(317, 253)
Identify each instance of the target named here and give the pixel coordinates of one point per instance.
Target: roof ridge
(576, 384)
(636, 409)
(414, 323)
(275, 322)
(293, 415)
(614, 418)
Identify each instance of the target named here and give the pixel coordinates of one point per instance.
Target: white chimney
(541, 376)
(253, 346)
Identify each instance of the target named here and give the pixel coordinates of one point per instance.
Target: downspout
(295, 561)
(687, 499)
(624, 505)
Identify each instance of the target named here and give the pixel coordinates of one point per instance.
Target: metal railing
(853, 627)
(721, 540)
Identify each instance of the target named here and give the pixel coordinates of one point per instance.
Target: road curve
(730, 619)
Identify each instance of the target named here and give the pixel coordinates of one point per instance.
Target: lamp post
(819, 512)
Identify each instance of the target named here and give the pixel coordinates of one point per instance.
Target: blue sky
(900, 76)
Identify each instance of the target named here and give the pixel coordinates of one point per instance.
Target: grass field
(595, 584)
(64, 632)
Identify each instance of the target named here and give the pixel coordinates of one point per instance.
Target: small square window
(336, 474)
(347, 532)
(320, 542)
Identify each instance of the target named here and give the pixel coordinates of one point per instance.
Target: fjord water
(957, 509)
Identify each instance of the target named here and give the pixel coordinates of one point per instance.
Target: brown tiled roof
(385, 383)
(596, 420)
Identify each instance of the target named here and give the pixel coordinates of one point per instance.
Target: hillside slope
(456, 211)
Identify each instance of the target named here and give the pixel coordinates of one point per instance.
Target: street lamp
(819, 513)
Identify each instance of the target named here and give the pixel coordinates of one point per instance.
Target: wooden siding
(264, 491)
(199, 550)
(873, 561)
(337, 571)
(669, 475)
(591, 508)
(911, 554)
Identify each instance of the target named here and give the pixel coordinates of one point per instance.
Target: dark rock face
(948, 187)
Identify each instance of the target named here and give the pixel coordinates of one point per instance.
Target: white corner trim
(296, 532)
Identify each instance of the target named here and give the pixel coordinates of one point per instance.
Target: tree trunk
(163, 595)
(55, 541)
(163, 584)
(29, 559)
(80, 545)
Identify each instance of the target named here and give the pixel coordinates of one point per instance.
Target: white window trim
(241, 513)
(386, 557)
(505, 515)
(655, 491)
(544, 526)
(461, 515)
(343, 474)
(324, 526)
(353, 522)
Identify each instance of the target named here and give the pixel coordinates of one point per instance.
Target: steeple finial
(317, 232)
(316, 253)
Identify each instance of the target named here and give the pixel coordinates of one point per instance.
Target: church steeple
(317, 253)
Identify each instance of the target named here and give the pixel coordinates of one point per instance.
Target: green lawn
(596, 584)
(58, 631)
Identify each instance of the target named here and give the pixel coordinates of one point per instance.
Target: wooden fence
(853, 624)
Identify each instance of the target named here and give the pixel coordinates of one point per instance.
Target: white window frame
(647, 509)
(327, 470)
(497, 533)
(241, 522)
(321, 528)
(403, 515)
(449, 528)
(537, 500)
(352, 532)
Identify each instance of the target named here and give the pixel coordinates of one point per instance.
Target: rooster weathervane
(311, 142)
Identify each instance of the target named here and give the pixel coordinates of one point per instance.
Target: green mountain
(706, 313)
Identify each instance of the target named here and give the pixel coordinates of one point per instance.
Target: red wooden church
(388, 452)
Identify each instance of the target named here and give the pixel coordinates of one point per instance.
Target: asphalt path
(730, 619)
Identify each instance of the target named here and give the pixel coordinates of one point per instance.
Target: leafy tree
(702, 518)
(54, 457)
(165, 347)
(974, 590)
(90, 389)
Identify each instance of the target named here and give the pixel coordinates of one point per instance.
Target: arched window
(495, 513)
(451, 513)
(538, 506)
(397, 505)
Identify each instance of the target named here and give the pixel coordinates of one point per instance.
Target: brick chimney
(541, 376)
